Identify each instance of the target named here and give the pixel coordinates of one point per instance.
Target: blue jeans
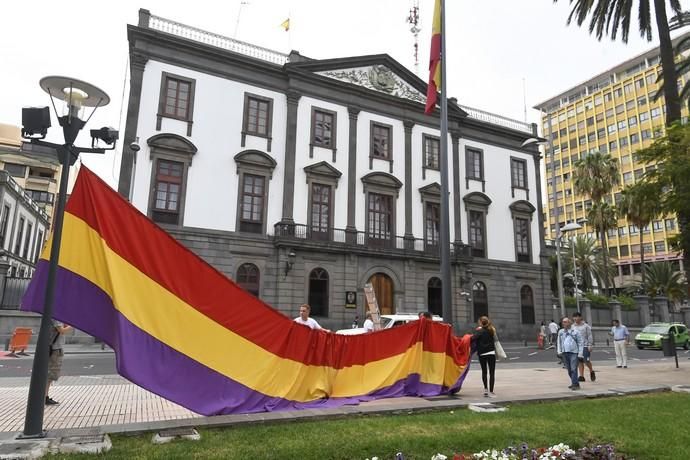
(570, 361)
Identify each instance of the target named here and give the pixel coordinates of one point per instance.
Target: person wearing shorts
(585, 331)
(55, 359)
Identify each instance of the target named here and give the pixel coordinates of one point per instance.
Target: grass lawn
(644, 427)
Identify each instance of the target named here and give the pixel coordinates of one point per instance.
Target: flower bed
(555, 452)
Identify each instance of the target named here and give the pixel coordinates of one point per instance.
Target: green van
(651, 335)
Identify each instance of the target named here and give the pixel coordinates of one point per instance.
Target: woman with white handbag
(488, 349)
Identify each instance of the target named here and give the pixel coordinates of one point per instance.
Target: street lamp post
(556, 213)
(573, 226)
(76, 95)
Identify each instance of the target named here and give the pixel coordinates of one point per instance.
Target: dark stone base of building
(515, 296)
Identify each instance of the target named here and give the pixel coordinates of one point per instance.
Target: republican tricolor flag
(183, 330)
(434, 61)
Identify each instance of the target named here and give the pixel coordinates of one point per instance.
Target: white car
(387, 322)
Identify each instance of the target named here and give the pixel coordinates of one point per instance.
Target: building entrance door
(383, 288)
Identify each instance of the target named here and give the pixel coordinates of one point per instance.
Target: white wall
(301, 205)
(499, 225)
(212, 182)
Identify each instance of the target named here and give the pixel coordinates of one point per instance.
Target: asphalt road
(75, 364)
(524, 357)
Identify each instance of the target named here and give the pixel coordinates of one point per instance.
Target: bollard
(607, 342)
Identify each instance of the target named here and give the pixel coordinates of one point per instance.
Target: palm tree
(589, 260)
(662, 279)
(641, 205)
(595, 176)
(603, 217)
(607, 17)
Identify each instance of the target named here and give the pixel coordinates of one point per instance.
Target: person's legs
(624, 353)
(54, 368)
(570, 360)
(483, 363)
(581, 365)
(619, 357)
(492, 371)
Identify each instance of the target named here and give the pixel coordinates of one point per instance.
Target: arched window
(248, 278)
(480, 300)
(433, 288)
(527, 305)
(318, 292)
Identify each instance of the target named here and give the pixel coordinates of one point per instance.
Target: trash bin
(668, 345)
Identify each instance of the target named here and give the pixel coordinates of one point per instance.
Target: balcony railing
(497, 119)
(345, 239)
(220, 41)
(6, 178)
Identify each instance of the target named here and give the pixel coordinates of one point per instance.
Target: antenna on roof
(413, 19)
(239, 13)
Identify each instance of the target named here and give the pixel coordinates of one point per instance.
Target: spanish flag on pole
(434, 61)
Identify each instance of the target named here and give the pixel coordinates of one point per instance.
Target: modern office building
(303, 179)
(613, 112)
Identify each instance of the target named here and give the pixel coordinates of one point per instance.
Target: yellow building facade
(613, 112)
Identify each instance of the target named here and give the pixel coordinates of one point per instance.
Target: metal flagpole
(444, 236)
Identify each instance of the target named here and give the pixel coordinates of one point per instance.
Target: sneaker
(581, 378)
(574, 387)
(492, 395)
(619, 367)
(592, 376)
(51, 401)
(486, 393)
(625, 367)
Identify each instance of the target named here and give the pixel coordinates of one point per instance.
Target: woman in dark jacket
(483, 338)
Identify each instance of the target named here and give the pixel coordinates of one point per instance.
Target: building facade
(614, 112)
(23, 228)
(304, 179)
(36, 169)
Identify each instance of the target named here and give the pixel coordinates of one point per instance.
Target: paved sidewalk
(116, 405)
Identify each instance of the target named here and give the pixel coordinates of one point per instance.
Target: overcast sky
(496, 47)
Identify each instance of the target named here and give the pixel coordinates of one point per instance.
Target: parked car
(387, 322)
(651, 335)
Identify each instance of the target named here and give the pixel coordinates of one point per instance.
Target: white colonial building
(304, 179)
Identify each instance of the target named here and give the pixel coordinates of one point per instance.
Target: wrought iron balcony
(348, 240)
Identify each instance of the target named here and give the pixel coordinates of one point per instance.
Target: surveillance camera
(105, 134)
(134, 147)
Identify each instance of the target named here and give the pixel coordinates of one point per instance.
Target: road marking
(607, 352)
(517, 357)
(90, 366)
(532, 354)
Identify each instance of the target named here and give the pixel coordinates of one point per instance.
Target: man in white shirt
(621, 337)
(304, 318)
(553, 329)
(368, 324)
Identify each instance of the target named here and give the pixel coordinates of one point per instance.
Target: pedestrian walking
(569, 349)
(57, 343)
(585, 331)
(484, 338)
(621, 338)
(553, 332)
(542, 334)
